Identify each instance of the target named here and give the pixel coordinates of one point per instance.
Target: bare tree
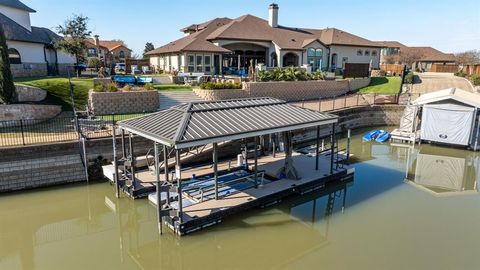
(408, 57)
(389, 59)
(468, 57)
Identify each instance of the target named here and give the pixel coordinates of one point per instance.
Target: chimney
(273, 15)
(96, 40)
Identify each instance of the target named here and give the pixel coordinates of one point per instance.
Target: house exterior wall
(316, 45)
(116, 54)
(350, 52)
(29, 52)
(20, 16)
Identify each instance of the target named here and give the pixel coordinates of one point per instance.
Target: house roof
(91, 42)
(195, 41)
(201, 123)
(16, 4)
(111, 44)
(427, 53)
(14, 31)
(252, 28)
(459, 95)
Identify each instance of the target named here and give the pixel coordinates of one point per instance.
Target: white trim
(252, 134)
(148, 136)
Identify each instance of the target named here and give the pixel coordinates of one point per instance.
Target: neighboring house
(108, 52)
(223, 46)
(31, 49)
(391, 51)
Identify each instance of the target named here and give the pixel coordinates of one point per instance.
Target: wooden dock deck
(210, 212)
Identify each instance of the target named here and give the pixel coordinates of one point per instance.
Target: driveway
(432, 81)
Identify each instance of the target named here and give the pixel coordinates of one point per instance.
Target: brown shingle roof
(252, 28)
(196, 41)
(112, 45)
(429, 54)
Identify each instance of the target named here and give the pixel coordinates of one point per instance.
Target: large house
(30, 48)
(109, 52)
(225, 46)
(427, 56)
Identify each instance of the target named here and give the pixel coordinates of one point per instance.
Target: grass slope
(58, 89)
(383, 85)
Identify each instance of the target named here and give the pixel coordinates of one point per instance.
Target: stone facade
(29, 70)
(30, 94)
(288, 91)
(104, 103)
(28, 112)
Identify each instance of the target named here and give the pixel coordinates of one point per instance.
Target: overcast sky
(448, 25)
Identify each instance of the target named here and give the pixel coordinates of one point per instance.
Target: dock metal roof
(200, 123)
(462, 96)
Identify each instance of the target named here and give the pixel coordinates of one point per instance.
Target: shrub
(408, 78)
(127, 87)
(475, 78)
(99, 87)
(288, 74)
(213, 85)
(149, 86)
(93, 63)
(460, 74)
(111, 87)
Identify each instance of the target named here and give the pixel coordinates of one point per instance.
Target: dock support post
(332, 147)
(124, 150)
(476, 125)
(215, 168)
(178, 172)
(255, 154)
(115, 164)
(274, 145)
(165, 170)
(157, 179)
(349, 137)
(344, 199)
(132, 156)
(317, 151)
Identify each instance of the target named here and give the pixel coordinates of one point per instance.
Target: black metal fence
(58, 129)
(348, 101)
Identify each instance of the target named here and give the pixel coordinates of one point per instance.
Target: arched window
(290, 59)
(314, 58)
(14, 56)
(121, 54)
(359, 52)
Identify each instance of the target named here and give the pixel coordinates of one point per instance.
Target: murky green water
(431, 221)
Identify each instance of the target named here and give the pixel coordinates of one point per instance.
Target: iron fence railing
(58, 129)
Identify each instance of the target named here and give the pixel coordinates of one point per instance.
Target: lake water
(407, 209)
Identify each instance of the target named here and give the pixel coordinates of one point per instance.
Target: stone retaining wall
(289, 91)
(29, 70)
(30, 93)
(124, 102)
(28, 112)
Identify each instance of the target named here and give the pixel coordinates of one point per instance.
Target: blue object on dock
(372, 135)
(383, 136)
(127, 79)
(144, 80)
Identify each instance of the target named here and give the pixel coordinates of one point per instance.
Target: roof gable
(16, 4)
(14, 31)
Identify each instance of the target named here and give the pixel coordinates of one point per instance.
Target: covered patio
(190, 199)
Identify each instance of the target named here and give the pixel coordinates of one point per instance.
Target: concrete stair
(170, 99)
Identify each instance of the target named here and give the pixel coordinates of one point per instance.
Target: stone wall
(124, 102)
(355, 84)
(28, 112)
(289, 91)
(29, 70)
(30, 93)
(39, 166)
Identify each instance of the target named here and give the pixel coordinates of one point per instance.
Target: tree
(408, 57)
(7, 88)
(75, 32)
(468, 57)
(148, 47)
(94, 62)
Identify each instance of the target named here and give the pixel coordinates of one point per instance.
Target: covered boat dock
(189, 199)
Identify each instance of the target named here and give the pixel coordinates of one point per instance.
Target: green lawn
(383, 85)
(59, 91)
(172, 87)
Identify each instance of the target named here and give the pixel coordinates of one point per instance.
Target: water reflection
(91, 228)
(443, 171)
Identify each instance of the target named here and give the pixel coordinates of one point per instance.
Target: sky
(447, 25)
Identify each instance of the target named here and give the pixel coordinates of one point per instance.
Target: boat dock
(266, 169)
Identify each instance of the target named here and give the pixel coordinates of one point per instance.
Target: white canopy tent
(449, 116)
